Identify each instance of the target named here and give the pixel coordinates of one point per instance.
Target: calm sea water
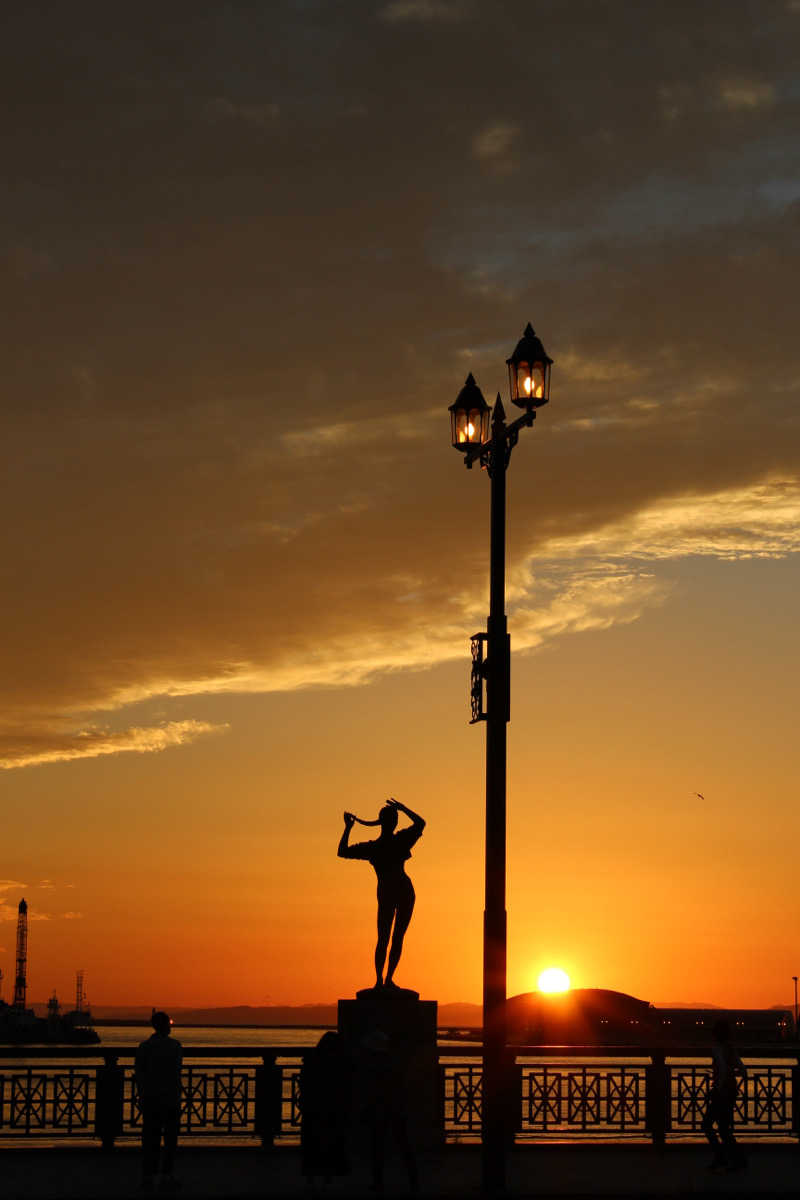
(215, 1035)
(200, 1035)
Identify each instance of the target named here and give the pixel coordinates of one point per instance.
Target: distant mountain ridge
(456, 1014)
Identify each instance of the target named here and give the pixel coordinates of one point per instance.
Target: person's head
(388, 818)
(161, 1022)
(329, 1044)
(721, 1030)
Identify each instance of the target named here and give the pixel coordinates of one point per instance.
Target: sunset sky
(249, 252)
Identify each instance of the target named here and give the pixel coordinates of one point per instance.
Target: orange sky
(241, 563)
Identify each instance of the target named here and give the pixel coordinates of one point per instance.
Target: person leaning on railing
(158, 1084)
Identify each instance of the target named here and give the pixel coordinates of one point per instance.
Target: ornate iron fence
(588, 1098)
(50, 1100)
(599, 1093)
(764, 1106)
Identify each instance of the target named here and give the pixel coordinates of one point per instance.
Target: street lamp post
(794, 977)
(490, 442)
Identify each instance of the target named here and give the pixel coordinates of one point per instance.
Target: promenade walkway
(537, 1171)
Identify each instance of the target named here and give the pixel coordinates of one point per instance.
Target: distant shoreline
(144, 1023)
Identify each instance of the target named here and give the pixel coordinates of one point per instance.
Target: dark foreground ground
(546, 1171)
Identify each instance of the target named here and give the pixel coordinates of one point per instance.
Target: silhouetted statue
(388, 854)
(725, 1066)
(325, 1094)
(158, 1083)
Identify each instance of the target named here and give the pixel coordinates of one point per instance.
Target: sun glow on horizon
(553, 979)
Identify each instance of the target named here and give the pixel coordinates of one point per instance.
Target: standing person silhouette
(158, 1084)
(388, 854)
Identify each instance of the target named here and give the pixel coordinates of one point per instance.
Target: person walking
(726, 1066)
(158, 1084)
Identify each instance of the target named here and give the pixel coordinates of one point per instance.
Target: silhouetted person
(725, 1067)
(388, 854)
(325, 1091)
(386, 1105)
(158, 1083)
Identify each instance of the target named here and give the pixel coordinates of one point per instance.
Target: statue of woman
(388, 854)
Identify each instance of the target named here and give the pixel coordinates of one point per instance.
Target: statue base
(392, 990)
(396, 1021)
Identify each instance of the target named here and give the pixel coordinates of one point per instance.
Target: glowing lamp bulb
(553, 979)
(528, 384)
(470, 430)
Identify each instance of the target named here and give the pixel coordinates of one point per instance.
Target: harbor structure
(79, 992)
(81, 1015)
(21, 981)
(20, 1024)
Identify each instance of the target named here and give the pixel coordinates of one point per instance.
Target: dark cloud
(252, 251)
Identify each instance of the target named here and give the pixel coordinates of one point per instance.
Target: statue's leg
(385, 916)
(402, 917)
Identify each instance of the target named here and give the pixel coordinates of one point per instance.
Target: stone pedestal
(396, 1021)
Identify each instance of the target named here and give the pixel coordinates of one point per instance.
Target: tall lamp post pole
(484, 436)
(794, 977)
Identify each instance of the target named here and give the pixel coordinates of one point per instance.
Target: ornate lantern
(469, 417)
(529, 371)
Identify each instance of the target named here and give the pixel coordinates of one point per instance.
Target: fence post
(513, 1099)
(441, 1102)
(108, 1104)
(269, 1098)
(656, 1101)
(796, 1098)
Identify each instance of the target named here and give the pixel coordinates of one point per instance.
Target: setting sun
(553, 979)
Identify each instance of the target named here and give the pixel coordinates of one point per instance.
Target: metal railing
(564, 1093)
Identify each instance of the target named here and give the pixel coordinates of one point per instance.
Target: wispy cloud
(761, 521)
(493, 147)
(746, 94)
(592, 579)
(323, 439)
(90, 743)
(260, 116)
(424, 11)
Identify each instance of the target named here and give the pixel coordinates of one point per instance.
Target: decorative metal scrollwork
(463, 1098)
(477, 688)
(558, 1099)
(231, 1095)
(763, 1104)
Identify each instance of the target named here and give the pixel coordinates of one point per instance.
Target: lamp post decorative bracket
(478, 677)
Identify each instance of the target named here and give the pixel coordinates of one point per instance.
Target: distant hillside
(240, 1014)
(686, 1004)
(455, 1014)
